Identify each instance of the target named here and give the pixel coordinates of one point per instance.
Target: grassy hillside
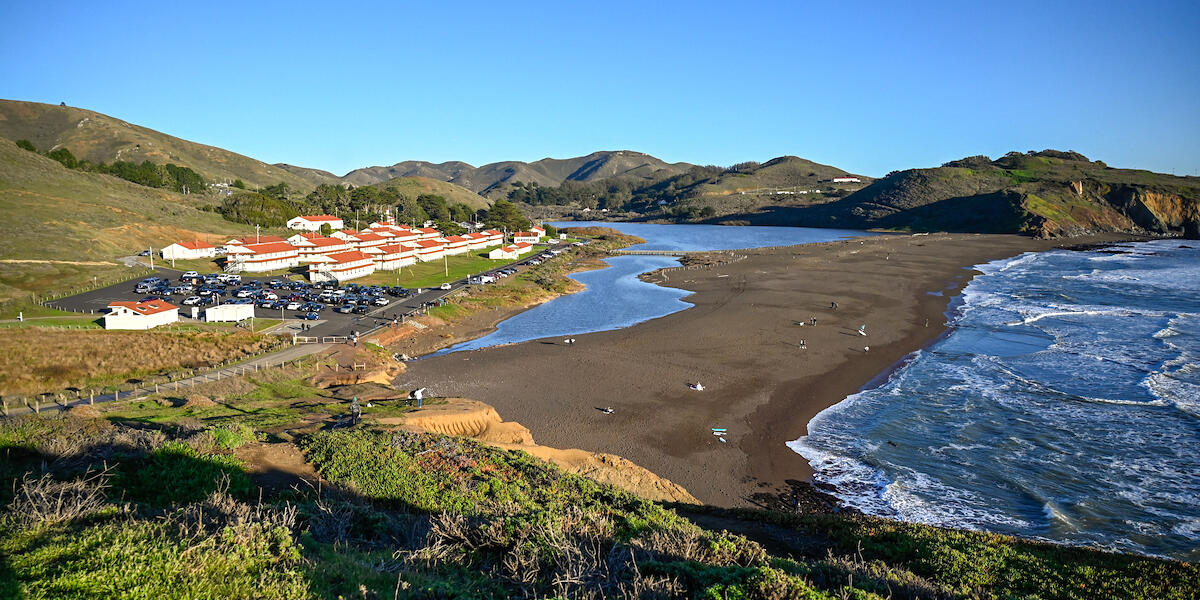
(100, 138)
(412, 187)
(709, 194)
(169, 506)
(64, 216)
(1049, 193)
(547, 172)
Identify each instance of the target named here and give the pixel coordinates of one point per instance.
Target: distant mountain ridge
(545, 172)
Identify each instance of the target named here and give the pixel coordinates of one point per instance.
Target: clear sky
(865, 86)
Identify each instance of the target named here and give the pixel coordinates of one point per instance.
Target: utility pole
(257, 237)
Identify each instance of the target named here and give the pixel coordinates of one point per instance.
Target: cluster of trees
(169, 176)
(621, 194)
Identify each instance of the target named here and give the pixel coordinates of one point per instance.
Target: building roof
(263, 239)
(270, 247)
(195, 245)
(369, 237)
(493, 232)
(323, 242)
(454, 239)
(428, 230)
(316, 218)
(522, 245)
(396, 248)
(144, 308)
(478, 235)
(348, 257)
(428, 244)
(525, 234)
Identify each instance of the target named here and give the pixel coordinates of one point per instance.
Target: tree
(551, 230)
(505, 215)
(410, 211)
(65, 157)
(239, 184)
(435, 206)
(326, 229)
(26, 145)
(708, 212)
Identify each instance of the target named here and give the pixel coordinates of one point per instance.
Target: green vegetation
(137, 512)
(434, 273)
(170, 176)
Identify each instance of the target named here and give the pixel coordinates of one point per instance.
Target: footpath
(274, 359)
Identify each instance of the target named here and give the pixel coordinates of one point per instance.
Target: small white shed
(228, 312)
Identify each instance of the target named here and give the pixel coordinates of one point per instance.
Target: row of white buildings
(349, 254)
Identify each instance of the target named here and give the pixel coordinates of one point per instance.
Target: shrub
(175, 473)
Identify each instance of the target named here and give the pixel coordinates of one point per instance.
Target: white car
(445, 286)
(192, 300)
(294, 305)
(189, 275)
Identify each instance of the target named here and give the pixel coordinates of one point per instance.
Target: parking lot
(328, 322)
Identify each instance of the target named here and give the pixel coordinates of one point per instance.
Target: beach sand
(742, 341)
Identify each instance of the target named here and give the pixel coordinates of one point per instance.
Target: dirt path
(57, 262)
(276, 467)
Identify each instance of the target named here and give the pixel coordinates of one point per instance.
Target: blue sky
(868, 87)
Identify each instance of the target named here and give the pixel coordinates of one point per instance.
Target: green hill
(413, 186)
(100, 138)
(150, 505)
(55, 217)
(1048, 193)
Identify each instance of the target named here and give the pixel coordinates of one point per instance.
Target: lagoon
(615, 298)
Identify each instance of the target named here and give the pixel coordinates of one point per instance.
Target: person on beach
(813, 321)
(833, 305)
(866, 348)
(862, 329)
(803, 345)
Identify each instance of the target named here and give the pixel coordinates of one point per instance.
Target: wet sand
(741, 340)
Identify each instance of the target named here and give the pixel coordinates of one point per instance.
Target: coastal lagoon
(1064, 405)
(616, 298)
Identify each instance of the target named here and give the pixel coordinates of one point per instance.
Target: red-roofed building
(429, 233)
(367, 239)
(494, 237)
(319, 246)
(503, 253)
(528, 237)
(256, 258)
(477, 240)
(189, 250)
(428, 250)
(262, 239)
(314, 222)
(140, 315)
(395, 256)
(349, 235)
(456, 244)
(340, 267)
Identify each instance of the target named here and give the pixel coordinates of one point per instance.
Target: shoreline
(739, 339)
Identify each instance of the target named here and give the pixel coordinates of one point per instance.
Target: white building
(340, 267)
(395, 256)
(503, 253)
(523, 247)
(456, 244)
(314, 222)
(323, 246)
(846, 180)
(528, 237)
(429, 233)
(428, 250)
(228, 312)
(538, 229)
(189, 250)
(256, 258)
(140, 315)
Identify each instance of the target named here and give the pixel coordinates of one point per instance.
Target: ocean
(1063, 404)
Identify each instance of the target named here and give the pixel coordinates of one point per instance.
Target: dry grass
(34, 361)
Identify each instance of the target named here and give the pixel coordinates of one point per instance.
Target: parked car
(293, 305)
(189, 275)
(445, 286)
(381, 301)
(144, 253)
(192, 300)
(310, 316)
(344, 309)
(361, 309)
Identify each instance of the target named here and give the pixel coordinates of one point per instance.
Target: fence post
(4, 405)
(37, 405)
(117, 394)
(155, 388)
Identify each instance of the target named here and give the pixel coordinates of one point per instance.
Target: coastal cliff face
(1048, 194)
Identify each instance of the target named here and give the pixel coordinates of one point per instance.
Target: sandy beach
(742, 341)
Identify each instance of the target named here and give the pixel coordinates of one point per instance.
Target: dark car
(362, 309)
(309, 316)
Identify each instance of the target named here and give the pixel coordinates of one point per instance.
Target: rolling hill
(414, 186)
(100, 138)
(545, 172)
(56, 218)
(1049, 193)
